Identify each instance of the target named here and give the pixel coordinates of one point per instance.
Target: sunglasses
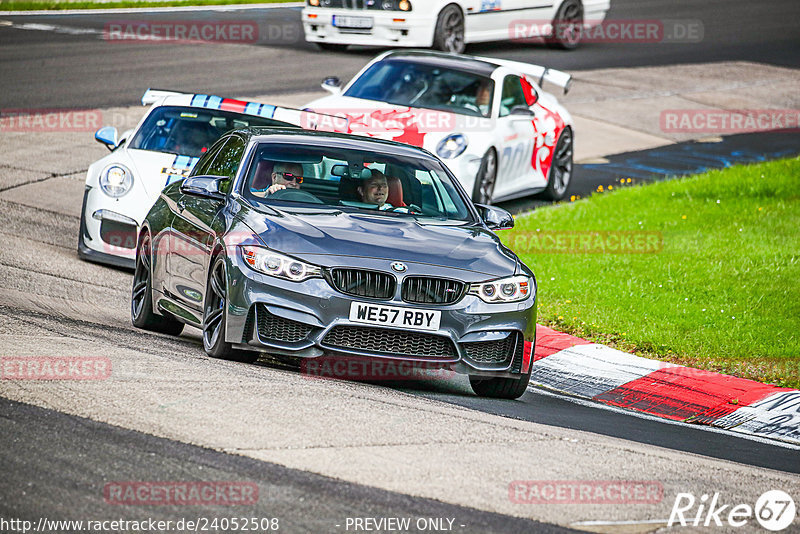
(289, 177)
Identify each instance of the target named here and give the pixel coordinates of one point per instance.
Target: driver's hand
(275, 188)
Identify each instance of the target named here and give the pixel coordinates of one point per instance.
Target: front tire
(215, 315)
(559, 178)
(142, 315)
(449, 32)
(486, 179)
(500, 388)
(567, 26)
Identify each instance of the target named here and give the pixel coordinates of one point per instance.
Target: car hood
(156, 170)
(414, 126)
(323, 237)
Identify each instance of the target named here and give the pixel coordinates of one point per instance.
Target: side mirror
(204, 186)
(108, 136)
(495, 218)
(332, 84)
(522, 112)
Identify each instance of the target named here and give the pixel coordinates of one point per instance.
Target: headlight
(116, 180)
(394, 5)
(511, 289)
(452, 146)
(266, 261)
(313, 3)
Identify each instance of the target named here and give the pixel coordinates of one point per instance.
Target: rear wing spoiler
(539, 73)
(151, 96)
(305, 119)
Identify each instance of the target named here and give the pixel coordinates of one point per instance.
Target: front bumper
(106, 236)
(389, 28)
(311, 318)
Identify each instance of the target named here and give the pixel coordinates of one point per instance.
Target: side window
(513, 95)
(229, 158)
(208, 158)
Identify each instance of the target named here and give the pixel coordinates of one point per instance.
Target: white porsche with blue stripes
(175, 132)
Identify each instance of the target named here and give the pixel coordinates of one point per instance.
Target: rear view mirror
(344, 171)
(108, 136)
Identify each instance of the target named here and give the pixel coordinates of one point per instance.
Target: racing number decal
(516, 158)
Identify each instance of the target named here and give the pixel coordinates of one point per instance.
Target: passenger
(375, 190)
(286, 176)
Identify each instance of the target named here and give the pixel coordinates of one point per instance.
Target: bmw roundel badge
(399, 267)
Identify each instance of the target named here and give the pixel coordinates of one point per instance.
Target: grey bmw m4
(310, 244)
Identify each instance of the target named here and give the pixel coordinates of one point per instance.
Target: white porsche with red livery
(489, 120)
(164, 147)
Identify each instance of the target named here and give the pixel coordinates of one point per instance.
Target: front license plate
(394, 316)
(352, 22)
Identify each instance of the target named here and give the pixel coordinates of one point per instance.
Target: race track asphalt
(65, 68)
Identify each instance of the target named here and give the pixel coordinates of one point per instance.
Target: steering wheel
(410, 208)
(295, 195)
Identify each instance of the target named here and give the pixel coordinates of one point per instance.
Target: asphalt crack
(50, 176)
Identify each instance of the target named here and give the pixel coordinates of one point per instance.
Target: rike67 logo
(774, 510)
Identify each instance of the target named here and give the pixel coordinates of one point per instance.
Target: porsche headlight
(271, 263)
(511, 289)
(452, 146)
(116, 180)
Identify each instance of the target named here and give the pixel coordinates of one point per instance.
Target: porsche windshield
(421, 85)
(354, 181)
(188, 131)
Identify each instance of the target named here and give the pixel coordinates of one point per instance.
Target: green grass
(723, 294)
(30, 5)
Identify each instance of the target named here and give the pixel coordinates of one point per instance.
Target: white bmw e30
(177, 129)
(448, 25)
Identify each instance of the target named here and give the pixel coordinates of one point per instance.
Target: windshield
(188, 131)
(425, 86)
(353, 181)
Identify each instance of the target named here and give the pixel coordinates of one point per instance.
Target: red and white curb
(577, 367)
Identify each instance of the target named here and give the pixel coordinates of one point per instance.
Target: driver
(286, 176)
(189, 140)
(483, 98)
